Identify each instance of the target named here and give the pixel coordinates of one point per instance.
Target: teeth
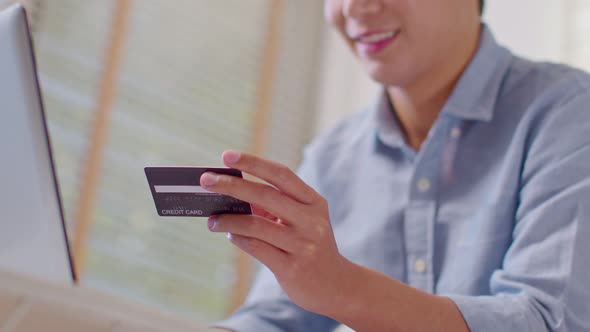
(377, 37)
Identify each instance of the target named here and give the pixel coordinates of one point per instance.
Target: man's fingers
(259, 194)
(275, 234)
(263, 213)
(272, 257)
(274, 173)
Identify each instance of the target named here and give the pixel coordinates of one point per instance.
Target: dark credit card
(177, 193)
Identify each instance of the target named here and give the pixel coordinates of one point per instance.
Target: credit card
(177, 192)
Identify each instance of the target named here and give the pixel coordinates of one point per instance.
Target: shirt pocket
(471, 244)
(464, 225)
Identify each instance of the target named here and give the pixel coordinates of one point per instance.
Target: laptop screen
(33, 238)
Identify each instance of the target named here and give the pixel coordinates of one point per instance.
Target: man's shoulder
(333, 156)
(554, 103)
(346, 135)
(546, 84)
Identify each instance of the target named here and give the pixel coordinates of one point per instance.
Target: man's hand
(289, 232)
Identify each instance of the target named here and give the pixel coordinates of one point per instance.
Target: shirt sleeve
(543, 283)
(267, 307)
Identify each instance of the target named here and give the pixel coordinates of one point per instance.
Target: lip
(370, 33)
(368, 48)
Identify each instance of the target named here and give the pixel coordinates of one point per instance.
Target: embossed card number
(177, 193)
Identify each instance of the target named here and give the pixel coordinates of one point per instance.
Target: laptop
(33, 238)
(36, 271)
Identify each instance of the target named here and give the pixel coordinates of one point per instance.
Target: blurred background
(130, 83)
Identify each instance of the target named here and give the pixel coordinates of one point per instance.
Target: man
(460, 201)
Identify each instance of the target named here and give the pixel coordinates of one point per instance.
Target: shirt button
(420, 266)
(424, 185)
(456, 132)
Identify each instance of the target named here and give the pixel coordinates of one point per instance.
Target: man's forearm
(372, 301)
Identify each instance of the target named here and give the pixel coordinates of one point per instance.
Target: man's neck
(418, 104)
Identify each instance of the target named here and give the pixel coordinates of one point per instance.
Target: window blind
(187, 90)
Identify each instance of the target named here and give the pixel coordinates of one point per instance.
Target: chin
(384, 75)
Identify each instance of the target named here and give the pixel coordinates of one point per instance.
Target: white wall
(533, 28)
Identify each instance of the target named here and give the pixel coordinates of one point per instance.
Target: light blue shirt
(493, 212)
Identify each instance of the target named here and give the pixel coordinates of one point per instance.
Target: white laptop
(33, 239)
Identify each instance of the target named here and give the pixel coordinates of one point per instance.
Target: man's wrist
(345, 297)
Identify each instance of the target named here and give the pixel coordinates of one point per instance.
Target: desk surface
(28, 306)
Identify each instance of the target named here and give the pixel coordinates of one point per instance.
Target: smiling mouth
(376, 37)
(370, 44)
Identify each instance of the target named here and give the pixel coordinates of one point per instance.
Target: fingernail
(229, 236)
(209, 179)
(212, 223)
(231, 156)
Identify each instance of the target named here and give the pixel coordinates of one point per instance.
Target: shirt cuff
(498, 313)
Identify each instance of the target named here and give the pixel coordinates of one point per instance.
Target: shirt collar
(388, 128)
(474, 97)
(476, 93)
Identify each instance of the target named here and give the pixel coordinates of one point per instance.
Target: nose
(357, 8)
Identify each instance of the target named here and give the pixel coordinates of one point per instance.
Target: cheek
(333, 13)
